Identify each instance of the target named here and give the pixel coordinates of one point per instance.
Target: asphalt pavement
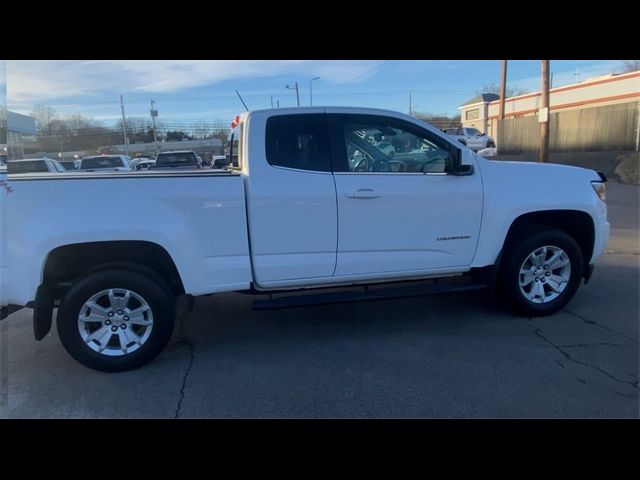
(450, 356)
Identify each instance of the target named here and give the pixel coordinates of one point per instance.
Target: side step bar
(367, 294)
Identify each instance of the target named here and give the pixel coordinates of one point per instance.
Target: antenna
(245, 105)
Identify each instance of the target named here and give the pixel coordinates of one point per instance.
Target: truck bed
(198, 217)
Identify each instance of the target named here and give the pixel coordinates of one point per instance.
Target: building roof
(23, 124)
(485, 97)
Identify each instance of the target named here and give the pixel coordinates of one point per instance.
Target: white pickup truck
(472, 138)
(308, 202)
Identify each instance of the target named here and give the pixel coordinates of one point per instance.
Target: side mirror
(457, 168)
(463, 170)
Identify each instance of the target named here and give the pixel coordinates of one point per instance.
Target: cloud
(31, 82)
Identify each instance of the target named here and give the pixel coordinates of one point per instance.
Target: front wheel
(116, 320)
(542, 271)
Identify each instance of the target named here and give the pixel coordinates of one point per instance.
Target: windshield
(101, 162)
(34, 166)
(176, 158)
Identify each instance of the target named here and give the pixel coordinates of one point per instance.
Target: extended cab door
(291, 197)
(401, 214)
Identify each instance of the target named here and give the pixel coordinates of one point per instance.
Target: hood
(541, 170)
(545, 183)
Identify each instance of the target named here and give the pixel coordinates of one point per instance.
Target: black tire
(491, 145)
(519, 248)
(149, 286)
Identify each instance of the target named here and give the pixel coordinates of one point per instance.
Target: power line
(374, 69)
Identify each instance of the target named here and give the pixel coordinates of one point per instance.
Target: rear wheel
(491, 145)
(542, 271)
(115, 320)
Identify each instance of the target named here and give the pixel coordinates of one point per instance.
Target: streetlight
(297, 92)
(311, 90)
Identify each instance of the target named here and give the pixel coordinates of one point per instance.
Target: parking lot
(454, 356)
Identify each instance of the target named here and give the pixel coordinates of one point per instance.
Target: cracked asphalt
(453, 356)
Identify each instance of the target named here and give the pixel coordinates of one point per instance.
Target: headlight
(600, 189)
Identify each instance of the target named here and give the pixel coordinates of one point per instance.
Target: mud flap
(42, 312)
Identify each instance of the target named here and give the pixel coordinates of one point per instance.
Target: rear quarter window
(299, 141)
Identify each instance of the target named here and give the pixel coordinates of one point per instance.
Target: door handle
(364, 193)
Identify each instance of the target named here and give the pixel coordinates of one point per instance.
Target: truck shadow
(230, 318)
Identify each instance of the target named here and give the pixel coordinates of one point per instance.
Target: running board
(292, 301)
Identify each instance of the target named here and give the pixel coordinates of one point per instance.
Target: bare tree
(201, 130)
(628, 66)
(440, 121)
(43, 116)
(3, 125)
(511, 91)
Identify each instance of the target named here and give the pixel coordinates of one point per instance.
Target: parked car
(106, 163)
(219, 161)
(137, 161)
(293, 213)
(69, 164)
(35, 165)
(472, 138)
(145, 163)
(177, 160)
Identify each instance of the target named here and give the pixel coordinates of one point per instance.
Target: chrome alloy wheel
(545, 274)
(115, 322)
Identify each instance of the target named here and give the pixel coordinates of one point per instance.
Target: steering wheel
(363, 165)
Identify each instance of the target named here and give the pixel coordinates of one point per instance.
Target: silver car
(34, 165)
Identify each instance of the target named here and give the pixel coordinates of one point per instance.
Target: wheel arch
(65, 264)
(576, 223)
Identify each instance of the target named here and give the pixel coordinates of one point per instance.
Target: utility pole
(124, 127)
(271, 101)
(543, 114)
(503, 89)
(311, 90)
(154, 114)
(277, 103)
(410, 106)
(297, 92)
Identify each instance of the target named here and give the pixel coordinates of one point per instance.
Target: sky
(204, 90)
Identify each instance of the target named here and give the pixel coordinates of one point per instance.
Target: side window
(299, 141)
(380, 144)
